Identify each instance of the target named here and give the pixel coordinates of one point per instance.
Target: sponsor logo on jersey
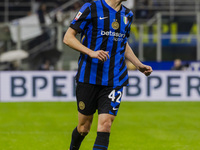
(115, 34)
(78, 15)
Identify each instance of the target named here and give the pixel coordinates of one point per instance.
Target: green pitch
(138, 126)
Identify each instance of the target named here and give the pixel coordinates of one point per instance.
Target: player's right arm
(79, 24)
(71, 40)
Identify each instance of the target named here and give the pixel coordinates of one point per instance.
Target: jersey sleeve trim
(78, 29)
(130, 22)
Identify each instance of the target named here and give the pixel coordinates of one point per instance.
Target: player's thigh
(109, 100)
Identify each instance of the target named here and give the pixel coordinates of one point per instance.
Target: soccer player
(105, 27)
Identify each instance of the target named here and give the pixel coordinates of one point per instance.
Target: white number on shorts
(112, 96)
(120, 95)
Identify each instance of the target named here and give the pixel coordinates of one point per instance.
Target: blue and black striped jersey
(103, 28)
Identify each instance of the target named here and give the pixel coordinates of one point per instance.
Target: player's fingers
(107, 54)
(103, 55)
(148, 68)
(147, 73)
(100, 57)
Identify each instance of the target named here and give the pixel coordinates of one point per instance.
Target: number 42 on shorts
(113, 97)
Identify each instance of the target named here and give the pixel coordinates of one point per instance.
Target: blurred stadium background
(162, 32)
(36, 66)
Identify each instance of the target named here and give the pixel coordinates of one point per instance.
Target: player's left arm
(129, 54)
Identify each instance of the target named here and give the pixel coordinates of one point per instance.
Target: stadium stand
(146, 9)
(178, 18)
(15, 11)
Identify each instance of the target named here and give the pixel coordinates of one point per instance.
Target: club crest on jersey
(78, 15)
(126, 20)
(115, 24)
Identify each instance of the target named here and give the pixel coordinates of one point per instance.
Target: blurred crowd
(143, 9)
(43, 10)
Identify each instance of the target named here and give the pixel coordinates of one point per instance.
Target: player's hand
(147, 70)
(100, 54)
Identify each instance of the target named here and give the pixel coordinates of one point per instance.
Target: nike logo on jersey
(101, 18)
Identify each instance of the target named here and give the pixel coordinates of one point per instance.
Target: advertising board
(60, 86)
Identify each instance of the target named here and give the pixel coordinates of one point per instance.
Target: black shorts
(96, 97)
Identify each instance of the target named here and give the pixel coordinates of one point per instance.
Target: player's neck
(115, 4)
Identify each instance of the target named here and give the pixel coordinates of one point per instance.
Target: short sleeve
(82, 18)
(129, 26)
